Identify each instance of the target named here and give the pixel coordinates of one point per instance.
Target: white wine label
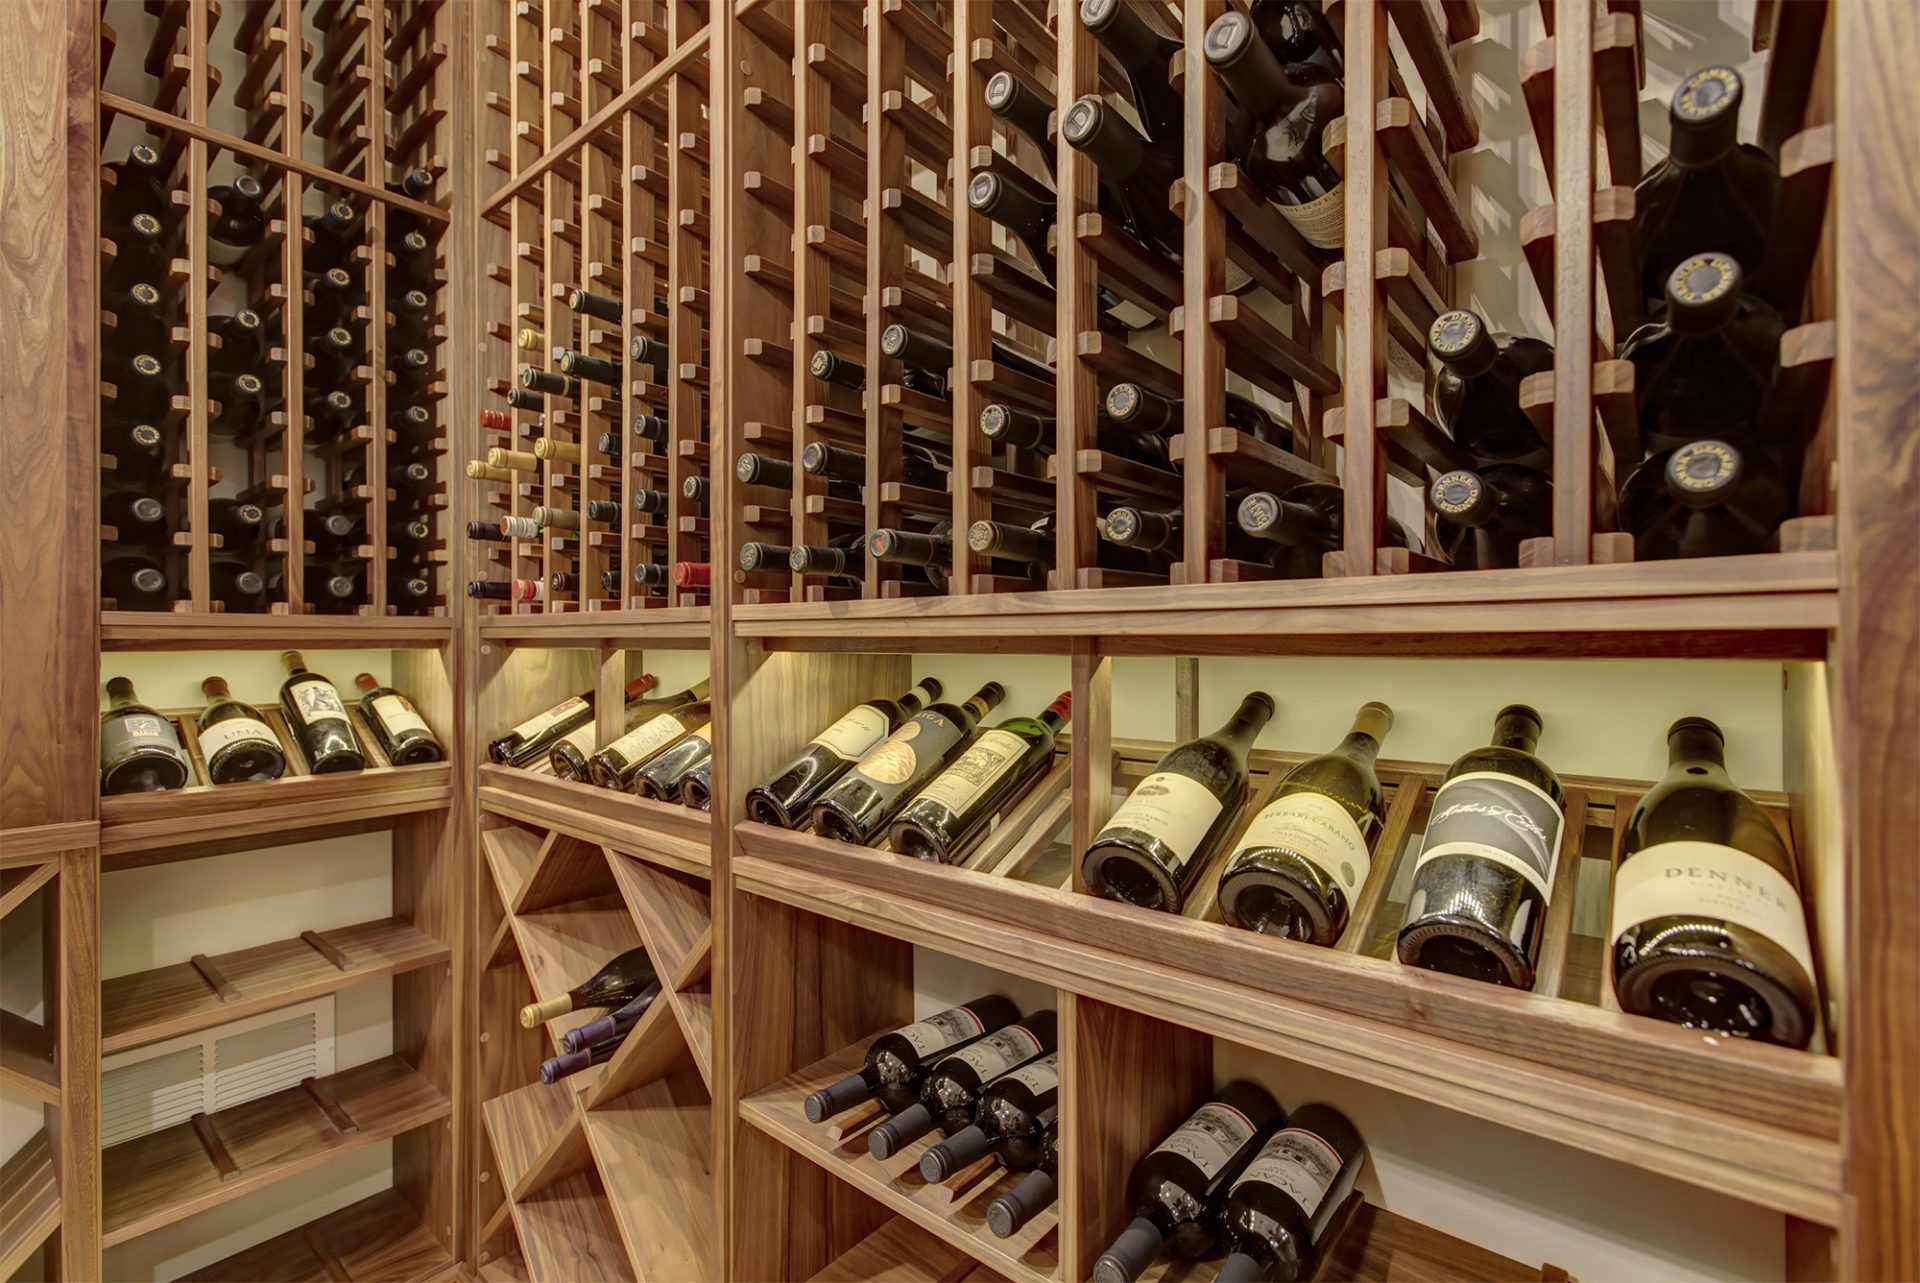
(234, 730)
(317, 701)
(531, 729)
(1298, 1163)
(647, 739)
(999, 1052)
(1210, 1138)
(581, 737)
(897, 760)
(1039, 1077)
(990, 757)
(1708, 880)
(398, 714)
(1322, 220)
(1497, 817)
(1172, 807)
(1317, 829)
(956, 1024)
(854, 735)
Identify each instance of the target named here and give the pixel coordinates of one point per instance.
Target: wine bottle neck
(1516, 731)
(1244, 727)
(1369, 730)
(1692, 744)
(120, 692)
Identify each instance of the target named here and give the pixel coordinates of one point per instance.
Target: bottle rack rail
(289, 418)
(596, 254)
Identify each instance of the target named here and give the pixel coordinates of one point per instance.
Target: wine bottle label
(1322, 221)
(141, 730)
(398, 714)
(1498, 817)
(1708, 880)
(703, 733)
(1043, 1075)
(979, 768)
(1172, 807)
(853, 736)
(318, 702)
(1317, 829)
(647, 739)
(1298, 1163)
(895, 761)
(234, 730)
(532, 728)
(581, 737)
(999, 1052)
(1210, 1138)
(956, 1024)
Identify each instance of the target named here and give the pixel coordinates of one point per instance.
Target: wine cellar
(666, 456)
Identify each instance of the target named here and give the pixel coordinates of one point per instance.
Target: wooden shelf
(29, 1202)
(1030, 1256)
(669, 626)
(674, 911)
(166, 1001)
(678, 837)
(377, 1238)
(653, 1148)
(208, 819)
(901, 1252)
(162, 630)
(566, 1229)
(172, 1174)
(1757, 1121)
(27, 1059)
(1776, 605)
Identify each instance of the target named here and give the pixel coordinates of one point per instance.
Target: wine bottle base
(1462, 947)
(1697, 983)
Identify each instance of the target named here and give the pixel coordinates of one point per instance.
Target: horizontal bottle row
(141, 750)
(665, 750)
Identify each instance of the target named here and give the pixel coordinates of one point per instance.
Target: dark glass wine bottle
(138, 451)
(1007, 1122)
(140, 751)
(617, 765)
(1145, 54)
(236, 585)
(1301, 863)
(139, 187)
(335, 296)
(243, 403)
(1030, 545)
(667, 770)
(335, 355)
(1006, 425)
(240, 224)
(143, 391)
(1481, 518)
(1275, 1220)
(335, 587)
(598, 306)
(1302, 526)
(1712, 192)
(403, 734)
(1485, 872)
(1140, 409)
(1708, 928)
(843, 558)
(1176, 1191)
(138, 520)
(242, 345)
(786, 796)
(235, 740)
(614, 1024)
(143, 254)
(528, 741)
(1298, 31)
(918, 466)
(1033, 1193)
(1138, 174)
(1154, 846)
(331, 414)
(1026, 107)
(1705, 366)
(1284, 112)
(571, 754)
(318, 719)
(832, 368)
(613, 986)
(858, 807)
(566, 1065)
(897, 1063)
(931, 551)
(650, 352)
(951, 811)
(950, 1093)
(1476, 398)
(134, 583)
(1706, 499)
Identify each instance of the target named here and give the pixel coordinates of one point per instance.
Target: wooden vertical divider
(599, 183)
(972, 307)
(812, 271)
(375, 467)
(198, 154)
(688, 377)
(1364, 378)
(1573, 311)
(1076, 388)
(638, 212)
(1202, 353)
(886, 251)
(293, 189)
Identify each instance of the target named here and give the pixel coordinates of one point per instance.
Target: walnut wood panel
(376, 1238)
(29, 1201)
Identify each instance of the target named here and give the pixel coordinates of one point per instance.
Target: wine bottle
(570, 757)
(650, 427)
(1137, 173)
(235, 585)
(1481, 518)
(617, 765)
(236, 742)
(335, 354)
(528, 741)
(335, 296)
(1176, 1191)
(769, 557)
(335, 587)
(403, 734)
(140, 320)
(1141, 410)
(554, 1068)
(650, 352)
(697, 490)
(331, 414)
(1026, 107)
(944, 818)
(142, 255)
(668, 769)
(1711, 192)
(1145, 54)
(1007, 1121)
(784, 797)
(547, 383)
(696, 787)
(139, 453)
(318, 719)
(858, 807)
(918, 466)
(838, 560)
(613, 1025)
(1155, 845)
(838, 370)
(242, 345)
(1303, 526)
(934, 357)
(1485, 872)
(1033, 1193)
(897, 1063)
(1705, 499)
(333, 233)
(951, 1090)
(1297, 31)
(1300, 865)
(1708, 929)
(1032, 545)
(138, 520)
(931, 551)
(243, 403)
(143, 392)
(1275, 1220)
(1704, 367)
(507, 589)
(139, 187)
(134, 583)
(139, 749)
(692, 574)
(1476, 397)
(408, 589)
(1277, 136)
(598, 306)
(614, 985)
(240, 223)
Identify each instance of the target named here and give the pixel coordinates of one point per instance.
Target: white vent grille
(165, 1083)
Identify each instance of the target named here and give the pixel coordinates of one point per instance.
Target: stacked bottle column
(687, 278)
(644, 520)
(294, 315)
